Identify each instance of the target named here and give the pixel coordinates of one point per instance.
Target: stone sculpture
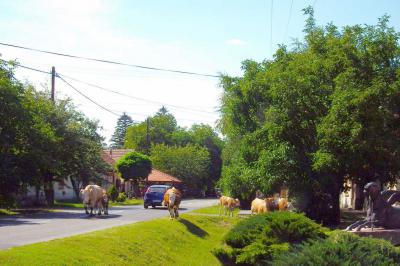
(380, 212)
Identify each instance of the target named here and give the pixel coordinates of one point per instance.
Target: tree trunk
(49, 190)
(358, 197)
(75, 187)
(37, 194)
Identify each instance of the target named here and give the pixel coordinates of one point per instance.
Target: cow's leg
(99, 207)
(106, 208)
(176, 212)
(91, 210)
(171, 214)
(86, 208)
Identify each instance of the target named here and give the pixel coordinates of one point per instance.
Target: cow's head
(237, 202)
(85, 194)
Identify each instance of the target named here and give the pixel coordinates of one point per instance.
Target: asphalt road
(32, 228)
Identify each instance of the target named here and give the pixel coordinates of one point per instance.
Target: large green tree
(314, 116)
(157, 129)
(189, 163)
(134, 166)
(118, 138)
(42, 141)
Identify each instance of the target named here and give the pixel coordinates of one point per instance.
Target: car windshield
(157, 189)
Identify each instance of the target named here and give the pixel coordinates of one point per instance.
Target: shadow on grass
(194, 229)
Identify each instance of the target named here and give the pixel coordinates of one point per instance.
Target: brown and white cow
(172, 199)
(228, 204)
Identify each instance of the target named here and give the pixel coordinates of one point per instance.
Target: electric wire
(109, 61)
(289, 18)
(88, 98)
(134, 97)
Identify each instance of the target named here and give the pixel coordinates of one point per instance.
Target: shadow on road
(194, 229)
(25, 219)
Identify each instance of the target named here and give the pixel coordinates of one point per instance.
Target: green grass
(127, 202)
(187, 241)
(79, 205)
(214, 210)
(7, 212)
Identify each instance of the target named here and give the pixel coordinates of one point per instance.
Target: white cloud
(236, 42)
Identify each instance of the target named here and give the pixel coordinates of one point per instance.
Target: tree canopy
(314, 116)
(42, 141)
(118, 138)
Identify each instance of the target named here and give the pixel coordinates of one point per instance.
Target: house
(63, 190)
(156, 177)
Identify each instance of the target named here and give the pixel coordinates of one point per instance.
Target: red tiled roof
(111, 156)
(158, 176)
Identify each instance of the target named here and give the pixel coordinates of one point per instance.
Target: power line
(272, 11)
(134, 97)
(109, 61)
(30, 68)
(290, 16)
(75, 89)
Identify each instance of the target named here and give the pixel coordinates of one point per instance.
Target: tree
(135, 166)
(158, 129)
(312, 117)
(13, 133)
(206, 137)
(118, 138)
(190, 163)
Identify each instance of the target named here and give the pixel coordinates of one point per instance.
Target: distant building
(63, 190)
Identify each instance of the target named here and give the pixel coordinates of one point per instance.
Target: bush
(343, 249)
(121, 197)
(112, 193)
(277, 227)
(260, 238)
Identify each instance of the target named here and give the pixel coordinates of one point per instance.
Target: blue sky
(200, 36)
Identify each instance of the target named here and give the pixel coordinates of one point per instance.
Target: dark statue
(380, 212)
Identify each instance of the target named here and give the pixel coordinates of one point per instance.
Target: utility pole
(148, 135)
(53, 81)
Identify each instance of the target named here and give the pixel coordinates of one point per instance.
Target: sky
(208, 36)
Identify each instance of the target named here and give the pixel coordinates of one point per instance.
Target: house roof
(110, 156)
(158, 176)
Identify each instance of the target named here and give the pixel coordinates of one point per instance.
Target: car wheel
(145, 206)
(153, 206)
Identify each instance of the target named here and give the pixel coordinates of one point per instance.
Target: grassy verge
(214, 210)
(187, 241)
(7, 212)
(79, 205)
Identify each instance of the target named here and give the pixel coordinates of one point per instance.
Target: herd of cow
(258, 206)
(96, 198)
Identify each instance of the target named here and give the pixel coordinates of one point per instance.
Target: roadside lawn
(214, 210)
(187, 241)
(79, 205)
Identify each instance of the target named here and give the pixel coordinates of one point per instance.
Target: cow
(258, 206)
(93, 197)
(228, 204)
(104, 203)
(269, 204)
(172, 199)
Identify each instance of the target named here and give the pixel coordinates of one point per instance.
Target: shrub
(343, 249)
(121, 197)
(260, 238)
(277, 227)
(112, 193)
